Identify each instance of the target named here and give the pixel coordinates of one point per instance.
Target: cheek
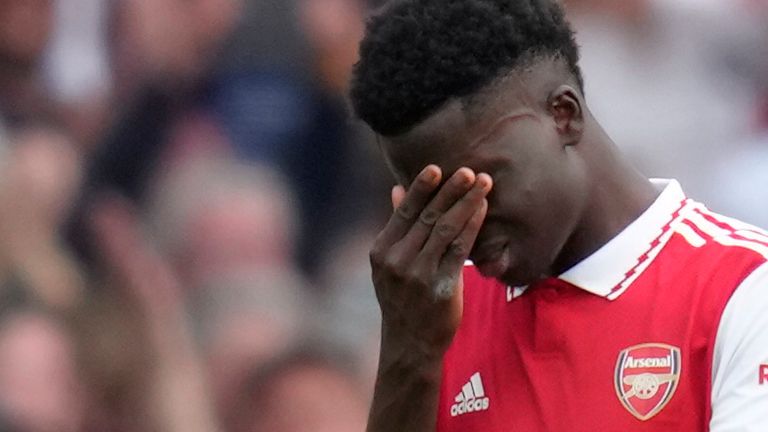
(540, 196)
(543, 213)
(558, 214)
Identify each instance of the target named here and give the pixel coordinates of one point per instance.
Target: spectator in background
(76, 70)
(167, 43)
(41, 166)
(37, 186)
(228, 230)
(52, 66)
(219, 216)
(40, 390)
(304, 391)
(162, 54)
(40, 283)
(273, 96)
(225, 232)
(170, 392)
(279, 97)
(25, 27)
(349, 314)
(246, 313)
(244, 323)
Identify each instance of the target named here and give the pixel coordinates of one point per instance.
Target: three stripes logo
(471, 398)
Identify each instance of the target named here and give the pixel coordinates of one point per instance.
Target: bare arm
(417, 262)
(177, 394)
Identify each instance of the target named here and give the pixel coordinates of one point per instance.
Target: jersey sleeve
(740, 359)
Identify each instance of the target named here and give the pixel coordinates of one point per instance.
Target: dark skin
(523, 181)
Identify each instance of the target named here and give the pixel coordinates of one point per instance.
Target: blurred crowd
(186, 204)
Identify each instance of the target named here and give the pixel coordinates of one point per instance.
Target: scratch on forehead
(506, 100)
(498, 125)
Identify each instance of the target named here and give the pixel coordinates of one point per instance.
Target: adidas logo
(472, 397)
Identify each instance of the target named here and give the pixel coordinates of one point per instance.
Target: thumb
(398, 194)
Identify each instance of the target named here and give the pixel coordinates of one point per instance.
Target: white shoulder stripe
(692, 237)
(735, 223)
(751, 235)
(725, 237)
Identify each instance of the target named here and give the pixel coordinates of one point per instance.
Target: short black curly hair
(418, 54)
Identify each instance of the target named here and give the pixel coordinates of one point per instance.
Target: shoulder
(740, 358)
(717, 237)
(747, 306)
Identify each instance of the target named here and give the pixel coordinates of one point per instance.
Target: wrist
(410, 355)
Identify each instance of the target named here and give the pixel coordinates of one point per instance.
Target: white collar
(610, 270)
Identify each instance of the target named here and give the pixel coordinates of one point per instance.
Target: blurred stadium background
(186, 205)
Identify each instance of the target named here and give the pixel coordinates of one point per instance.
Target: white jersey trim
(605, 272)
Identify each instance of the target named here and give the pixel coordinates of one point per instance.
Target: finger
(112, 224)
(398, 194)
(454, 189)
(458, 250)
(409, 208)
(449, 229)
(126, 253)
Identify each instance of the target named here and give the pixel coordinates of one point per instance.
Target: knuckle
(414, 277)
(445, 229)
(429, 216)
(396, 268)
(378, 250)
(384, 261)
(390, 264)
(405, 211)
(375, 255)
(458, 247)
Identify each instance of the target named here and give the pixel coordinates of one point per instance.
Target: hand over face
(417, 259)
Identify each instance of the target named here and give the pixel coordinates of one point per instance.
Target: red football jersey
(624, 341)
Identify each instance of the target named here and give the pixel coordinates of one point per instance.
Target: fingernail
(428, 173)
(484, 180)
(464, 176)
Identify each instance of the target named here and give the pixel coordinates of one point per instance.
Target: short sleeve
(740, 363)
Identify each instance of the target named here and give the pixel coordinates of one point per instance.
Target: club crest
(646, 378)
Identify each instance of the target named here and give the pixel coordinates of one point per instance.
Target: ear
(565, 107)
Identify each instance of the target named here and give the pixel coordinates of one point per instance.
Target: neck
(618, 195)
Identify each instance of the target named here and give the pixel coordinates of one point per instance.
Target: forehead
(452, 134)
